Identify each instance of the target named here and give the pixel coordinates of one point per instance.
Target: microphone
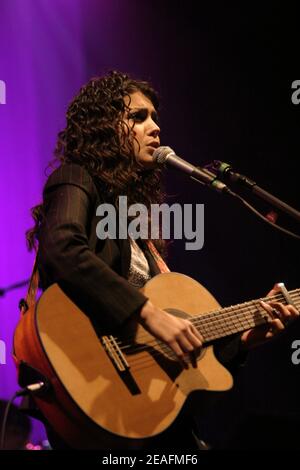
(165, 156)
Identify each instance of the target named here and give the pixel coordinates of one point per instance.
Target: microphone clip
(225, 171)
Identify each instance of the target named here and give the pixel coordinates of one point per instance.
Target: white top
(139, 271)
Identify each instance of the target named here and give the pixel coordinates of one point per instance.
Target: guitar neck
(238, 318)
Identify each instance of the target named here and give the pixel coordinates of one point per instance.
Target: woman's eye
(138, 116)
(141, 116)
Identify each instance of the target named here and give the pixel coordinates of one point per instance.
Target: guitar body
(106, 394)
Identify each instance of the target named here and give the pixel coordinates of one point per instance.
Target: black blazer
(91, 271)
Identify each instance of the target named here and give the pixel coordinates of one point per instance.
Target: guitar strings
(139, 348)
(163, 346)
(212, 318)
(146, 361)
(154, 341)
(228, 313)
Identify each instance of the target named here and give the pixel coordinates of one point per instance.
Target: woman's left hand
(281, 315)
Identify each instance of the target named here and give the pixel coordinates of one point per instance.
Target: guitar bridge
(111, 347)
(118, 359)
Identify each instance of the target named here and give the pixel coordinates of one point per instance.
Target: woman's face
(142, 118)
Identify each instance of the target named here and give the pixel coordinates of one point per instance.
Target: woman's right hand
(177, 333)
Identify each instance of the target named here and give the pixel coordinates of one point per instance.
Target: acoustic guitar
(118, 390)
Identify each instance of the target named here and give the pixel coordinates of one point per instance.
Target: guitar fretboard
(241, 317)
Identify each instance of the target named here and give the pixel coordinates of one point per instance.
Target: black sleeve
(70, 198)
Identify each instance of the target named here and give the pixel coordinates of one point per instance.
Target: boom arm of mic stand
(274, 201)
(226, 170)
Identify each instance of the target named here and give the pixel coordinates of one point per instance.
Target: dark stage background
(224, 74)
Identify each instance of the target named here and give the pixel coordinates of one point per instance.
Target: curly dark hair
(96, 137)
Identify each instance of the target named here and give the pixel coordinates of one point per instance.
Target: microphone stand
(274, 201)
(270, 198)
(3, 290)
(226, 171)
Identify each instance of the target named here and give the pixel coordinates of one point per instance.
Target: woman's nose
(155, 129)
(155, 133)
